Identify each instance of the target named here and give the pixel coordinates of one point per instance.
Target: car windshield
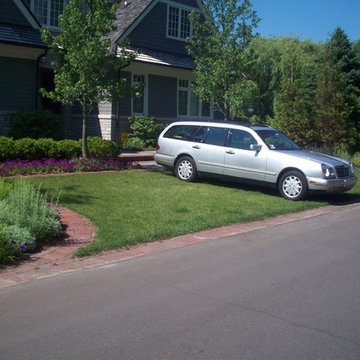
(275, 140)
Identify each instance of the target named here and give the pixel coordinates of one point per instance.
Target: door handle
(196, 147)
(230, 152)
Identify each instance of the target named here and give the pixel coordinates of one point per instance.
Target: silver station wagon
(255, 154)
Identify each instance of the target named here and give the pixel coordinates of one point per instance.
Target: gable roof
(19, 34)
(128, 12)
(29, 16)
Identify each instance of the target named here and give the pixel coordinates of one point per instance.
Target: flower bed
(51, 165)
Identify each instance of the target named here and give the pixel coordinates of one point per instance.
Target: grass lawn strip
(143, 206)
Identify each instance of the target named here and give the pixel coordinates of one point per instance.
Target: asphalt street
(290, 291)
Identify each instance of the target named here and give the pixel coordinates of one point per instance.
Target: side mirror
(255, 147)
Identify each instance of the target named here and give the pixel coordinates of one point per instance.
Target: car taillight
(157, 147)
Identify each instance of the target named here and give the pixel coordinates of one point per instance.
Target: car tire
(185, 169)
(293, 185)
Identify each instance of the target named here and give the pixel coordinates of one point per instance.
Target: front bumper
(332, 185)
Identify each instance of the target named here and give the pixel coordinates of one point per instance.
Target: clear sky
(308, 19)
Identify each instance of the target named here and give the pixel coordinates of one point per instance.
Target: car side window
(240, 139)
(201, 134)
(181, 132)
(216, 136)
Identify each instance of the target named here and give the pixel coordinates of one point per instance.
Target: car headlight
(328, 171)
(352, 169)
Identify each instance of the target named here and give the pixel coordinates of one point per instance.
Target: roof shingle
(21, 35)
(160, 58)
(126, 14)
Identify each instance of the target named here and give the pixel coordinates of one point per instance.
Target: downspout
(118, 102)
(37, 78)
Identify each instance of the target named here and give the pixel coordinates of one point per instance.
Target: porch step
(137, 156)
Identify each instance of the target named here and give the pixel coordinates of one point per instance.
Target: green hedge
(31, 149)
(36, 124)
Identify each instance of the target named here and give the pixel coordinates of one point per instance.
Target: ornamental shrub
(356, 159)
(46, 148)
(36, 124)
(20, 237)
(26, 148)
(101, 147)
(8, 251)
(134, 143)
(27, 207)
(7, 148)
(67, 149)
(145, 128)
(4, 189)
(33, 149)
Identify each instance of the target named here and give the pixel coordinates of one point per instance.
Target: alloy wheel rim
(185, 170)
(292, 186)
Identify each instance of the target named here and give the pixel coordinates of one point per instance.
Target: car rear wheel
(293, 185)
(185, 169)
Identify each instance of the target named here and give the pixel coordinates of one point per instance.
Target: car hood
(315, 156)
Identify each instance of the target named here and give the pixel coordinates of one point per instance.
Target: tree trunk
(226, 112)
(84, 147)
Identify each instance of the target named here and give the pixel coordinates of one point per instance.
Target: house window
(47, 11)
(179, 26)
(189, 104)
(139, 101)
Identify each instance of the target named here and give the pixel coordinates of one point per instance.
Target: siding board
(151, 33)
(10, 14)
(17, 84)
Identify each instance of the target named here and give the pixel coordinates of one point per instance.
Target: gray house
(20, 51)
(157, 29)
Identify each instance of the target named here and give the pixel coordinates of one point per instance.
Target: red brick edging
(77, 232)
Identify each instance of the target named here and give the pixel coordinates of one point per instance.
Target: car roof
(231, 124)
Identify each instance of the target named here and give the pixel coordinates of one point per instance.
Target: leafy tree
(293, 105)
(263, 57)
(217, 46)
(85, 68)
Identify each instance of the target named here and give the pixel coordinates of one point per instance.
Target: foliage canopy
(218, 44)
(86, 65)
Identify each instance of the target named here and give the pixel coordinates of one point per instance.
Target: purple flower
(24, 247)
(14, 242)
(51, 165)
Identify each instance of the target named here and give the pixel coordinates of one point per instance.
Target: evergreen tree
(332, 109)
(335, 93)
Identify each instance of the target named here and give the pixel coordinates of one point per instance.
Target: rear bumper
(164, 160)
(332, 185)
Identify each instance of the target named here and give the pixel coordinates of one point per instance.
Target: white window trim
(188, 116)
(48, 15)
(146, 97)
(181, 9)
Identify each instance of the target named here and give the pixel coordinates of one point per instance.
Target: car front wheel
(293, 185)
(185, 169)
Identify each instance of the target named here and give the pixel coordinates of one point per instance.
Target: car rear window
(181, 132)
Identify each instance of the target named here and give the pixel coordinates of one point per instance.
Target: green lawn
(141, 206)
